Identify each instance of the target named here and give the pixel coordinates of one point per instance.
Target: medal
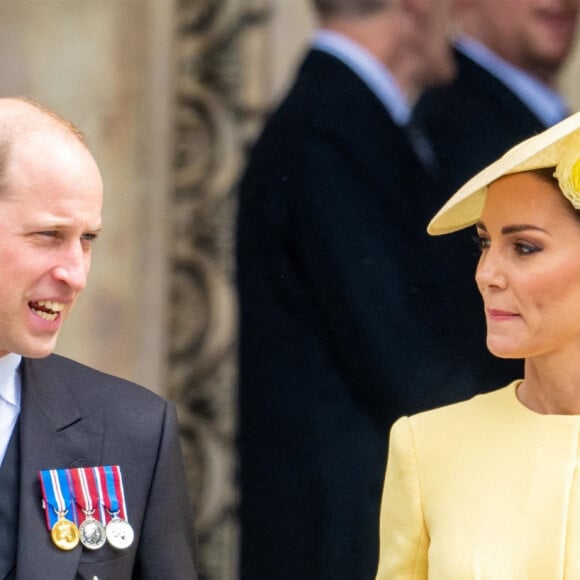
(64, 533)
(92, 533)
(91, 530)
(58, 504)
(91, 498)
(119, 533)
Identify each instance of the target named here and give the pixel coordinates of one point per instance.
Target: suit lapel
(56, 432)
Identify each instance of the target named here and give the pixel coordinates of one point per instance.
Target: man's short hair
(329, 8)
(15, 124)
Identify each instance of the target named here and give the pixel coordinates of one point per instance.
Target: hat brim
(464, 208)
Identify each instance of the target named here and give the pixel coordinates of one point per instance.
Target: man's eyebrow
(514, 229)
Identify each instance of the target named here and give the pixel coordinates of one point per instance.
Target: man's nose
(73, 266)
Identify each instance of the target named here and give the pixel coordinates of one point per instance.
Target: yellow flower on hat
(568, 173)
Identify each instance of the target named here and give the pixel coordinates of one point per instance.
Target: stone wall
(98, 63)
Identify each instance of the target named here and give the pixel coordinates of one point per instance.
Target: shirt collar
(542, 100)
(369, 69)
(9, 386)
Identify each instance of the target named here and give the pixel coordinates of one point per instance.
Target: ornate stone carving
(218, 47)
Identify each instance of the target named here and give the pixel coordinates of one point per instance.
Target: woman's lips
(496, 314)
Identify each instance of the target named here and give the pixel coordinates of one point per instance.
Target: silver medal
(119, 533)
(92, 533)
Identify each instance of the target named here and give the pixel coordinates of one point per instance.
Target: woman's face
(529, 270)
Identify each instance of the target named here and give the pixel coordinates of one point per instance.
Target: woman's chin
(503, 350)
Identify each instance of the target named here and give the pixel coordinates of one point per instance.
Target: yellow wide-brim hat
(558, 147)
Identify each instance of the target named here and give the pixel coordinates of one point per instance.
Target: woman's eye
(481, 242)
(525, 248)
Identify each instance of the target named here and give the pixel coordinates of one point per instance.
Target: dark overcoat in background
(340, 324)
(471, 123)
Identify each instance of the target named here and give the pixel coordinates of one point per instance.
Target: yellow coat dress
(485, 489)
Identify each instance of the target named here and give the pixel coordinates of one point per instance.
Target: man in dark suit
(508, 55)
(336, 281)
(57, 415)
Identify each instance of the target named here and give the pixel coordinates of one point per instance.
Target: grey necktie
(422, 146)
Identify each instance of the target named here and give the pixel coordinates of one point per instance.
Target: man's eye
(89, 237)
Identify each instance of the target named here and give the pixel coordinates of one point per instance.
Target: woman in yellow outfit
(490, 488)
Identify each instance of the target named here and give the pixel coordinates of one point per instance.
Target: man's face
(438, 64)
(534, 35)
(50, 213)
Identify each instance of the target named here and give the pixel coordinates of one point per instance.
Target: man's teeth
(47, 309)
(49, 305)
(46, 315)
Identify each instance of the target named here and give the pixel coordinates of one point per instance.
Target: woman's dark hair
(547, 174)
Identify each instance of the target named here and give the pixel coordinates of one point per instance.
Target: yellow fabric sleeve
(404, 541)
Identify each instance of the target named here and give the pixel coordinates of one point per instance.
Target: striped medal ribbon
(92, 513)
(120, 534)
(60, 509)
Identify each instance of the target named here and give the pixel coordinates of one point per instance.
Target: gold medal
(64, 533)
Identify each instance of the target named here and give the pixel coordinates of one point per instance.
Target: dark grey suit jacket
(73, 416)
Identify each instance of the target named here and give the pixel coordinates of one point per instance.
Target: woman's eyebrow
(513, 229)
(516, 228)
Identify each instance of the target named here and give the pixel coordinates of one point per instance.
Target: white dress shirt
(9, 399)
(369, 69)
(381, 82)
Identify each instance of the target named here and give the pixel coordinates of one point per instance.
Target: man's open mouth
(46, 309)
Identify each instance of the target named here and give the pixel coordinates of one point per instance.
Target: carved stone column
(220, 48)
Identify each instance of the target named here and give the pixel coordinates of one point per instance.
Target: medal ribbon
(56, 490)
(96, 477)
(87, 494)
(118, 478)
(111, 481)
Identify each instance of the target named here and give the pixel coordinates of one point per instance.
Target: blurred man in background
(508, 57)
(336, 283)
